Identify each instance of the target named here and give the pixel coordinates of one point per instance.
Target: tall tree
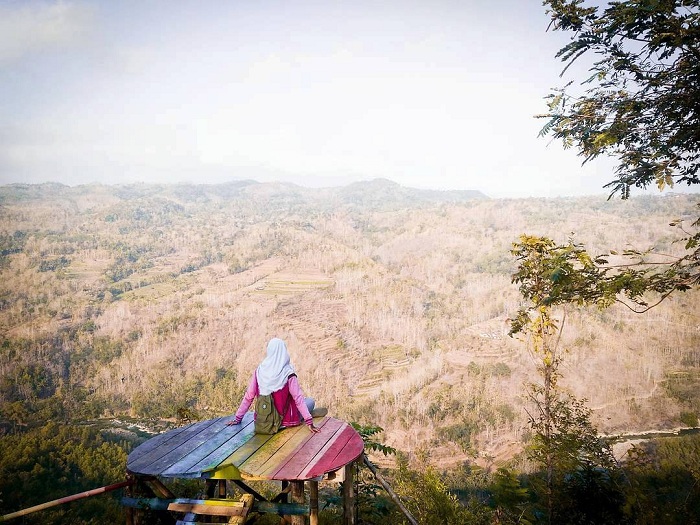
(641, 102)
(564, 440)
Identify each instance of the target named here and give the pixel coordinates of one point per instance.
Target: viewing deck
(213, 450)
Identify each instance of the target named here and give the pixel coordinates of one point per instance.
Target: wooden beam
(208, 509)
(264, 507)
(247, 500)
(389, 490)
(249, 490)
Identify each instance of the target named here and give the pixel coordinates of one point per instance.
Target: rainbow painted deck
(211, 449)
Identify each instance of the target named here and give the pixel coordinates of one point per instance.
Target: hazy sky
(430, 94)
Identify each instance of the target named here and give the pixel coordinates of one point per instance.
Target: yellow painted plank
(239, 456)
(254, 463)
(282, 455)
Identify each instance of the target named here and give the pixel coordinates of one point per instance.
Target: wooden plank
(209, 455)
(163, 444)
(297, 461)
(152, 443)
(303, 444)
(352, 450)
(210, 509)
(334, 456)
(194, 446)
(245, 451)
(254, 464)
(247, 500)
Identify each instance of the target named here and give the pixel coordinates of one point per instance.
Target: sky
(437, 94)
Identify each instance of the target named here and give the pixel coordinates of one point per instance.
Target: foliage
(640, 102)
(428, 498)
(367, 434)
(55, 461)
(664, 481)
(510, 498)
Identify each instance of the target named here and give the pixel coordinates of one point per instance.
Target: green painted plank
(253, 465)
(219, 448)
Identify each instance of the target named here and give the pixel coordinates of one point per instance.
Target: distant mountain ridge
(372, 194)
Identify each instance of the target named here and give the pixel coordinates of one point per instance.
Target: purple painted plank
(176, 450)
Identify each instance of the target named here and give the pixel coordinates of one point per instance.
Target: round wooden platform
(211, 449)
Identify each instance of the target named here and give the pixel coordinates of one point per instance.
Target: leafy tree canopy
(640, 105)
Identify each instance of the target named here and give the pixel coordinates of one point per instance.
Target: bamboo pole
(67, 499)
(389, 490)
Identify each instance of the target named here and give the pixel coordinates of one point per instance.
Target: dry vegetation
(394, 305)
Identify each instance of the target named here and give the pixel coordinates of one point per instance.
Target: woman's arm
(298, 397)
(248, 398)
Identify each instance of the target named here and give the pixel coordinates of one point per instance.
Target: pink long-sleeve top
(289, 396)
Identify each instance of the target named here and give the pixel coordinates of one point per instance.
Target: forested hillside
(155, 303)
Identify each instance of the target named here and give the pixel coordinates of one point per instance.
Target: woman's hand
(314, 429)
(234, 421)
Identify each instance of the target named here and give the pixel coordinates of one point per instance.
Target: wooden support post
(129, 491)
(313, 502)
(210, 488)
(298, 497)
(349, 503)
(285, 491)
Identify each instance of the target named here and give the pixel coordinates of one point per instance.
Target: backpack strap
(286, 405)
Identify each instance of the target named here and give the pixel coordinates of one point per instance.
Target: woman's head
(275, 368)
(277, 348)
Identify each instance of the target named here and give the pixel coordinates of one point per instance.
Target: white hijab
(275, 368)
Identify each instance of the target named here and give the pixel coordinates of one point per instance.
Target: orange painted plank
(304, 444)
(300, 458)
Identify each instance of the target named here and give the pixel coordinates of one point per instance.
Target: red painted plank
(347, 448)
(296, 462)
